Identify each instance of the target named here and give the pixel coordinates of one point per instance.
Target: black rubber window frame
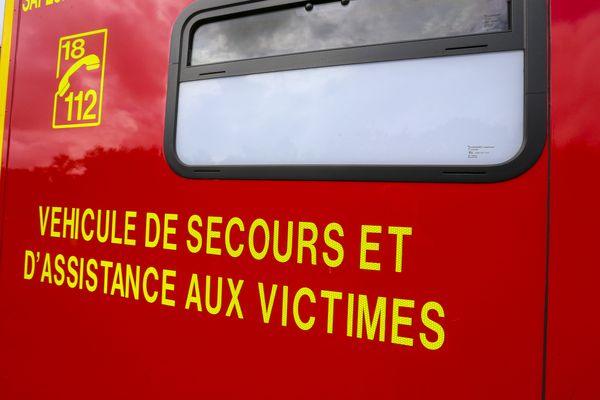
(528, 33)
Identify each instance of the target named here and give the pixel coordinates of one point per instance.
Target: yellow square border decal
(80, 72)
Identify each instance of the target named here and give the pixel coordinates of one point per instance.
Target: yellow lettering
(296, 308)
(307, 244)
(43, 219)
(169, 231)
(103, 237)
(230, 250)
(432, 325)
(334, 245)
(213, 234)
(167, 287)
(288, 250)
(29, 5)
(29, 265)
(266, 309)
(365, 246)
(214, 310)
(397, 320)
(400, 232)
(70, 221)
(129, 228)
(152, 220)
(71, 264)
(114, 239)
(371, 325)
(92, 266)
(59, 277)
(193, 296)
(87, 235)
(350, 321)
(194, 247)
(55, 222)
(47, 270)
(117, 283)
(81, 265)
(258, 255)
(150, 298)
(235, 302)
(132, 282)
(284, 306)
(106, 265)
(331, 297)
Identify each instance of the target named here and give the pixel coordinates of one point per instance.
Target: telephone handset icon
(91, 62)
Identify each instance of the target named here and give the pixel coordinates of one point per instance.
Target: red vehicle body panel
(483, 252)
(573, 357)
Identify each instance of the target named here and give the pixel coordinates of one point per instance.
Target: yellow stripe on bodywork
(4, 63)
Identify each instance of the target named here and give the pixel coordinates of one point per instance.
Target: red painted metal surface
(573, 355)
(477, 250)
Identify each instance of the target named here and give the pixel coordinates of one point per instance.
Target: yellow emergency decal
(80, 80)
(4, 61)
(391, 317)
(31, 5)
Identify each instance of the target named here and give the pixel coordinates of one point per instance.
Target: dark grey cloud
(331, 25)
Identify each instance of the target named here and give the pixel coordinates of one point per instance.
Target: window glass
(1, 20)
(455, 110)
(334, 25)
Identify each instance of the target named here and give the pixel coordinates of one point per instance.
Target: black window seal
(528, 32)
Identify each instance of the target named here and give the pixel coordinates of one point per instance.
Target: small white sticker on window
(479, 152)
